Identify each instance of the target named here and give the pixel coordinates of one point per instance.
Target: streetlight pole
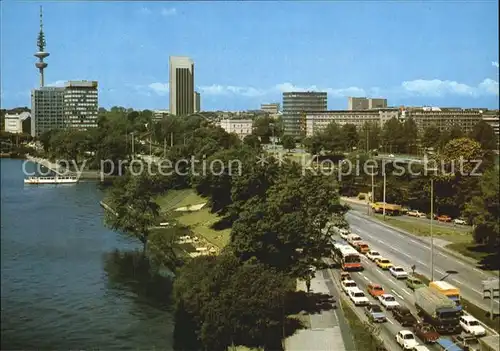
(385, 179)
(432, 234)
(373, 189)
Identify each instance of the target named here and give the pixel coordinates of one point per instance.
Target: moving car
(383, 263)
(398, 272)
(460, 221)
(413, 282)
(472, 326)
(358, 297)
(374, 313)
(388, 301)
(415, 213)
(406, 339)
(467, 342)
(444, 218)
(373, 255)
(361, 246)
(404, 316)
(375, 290)
(426, 332)
(419, 348)
(348, 285)
(345, 276)
(344, 233)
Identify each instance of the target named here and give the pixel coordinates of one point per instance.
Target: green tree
(262, 128)
(288, 142)
(134, 211)
(483, 210)
(331, 138)
(410, 135)
(448, 135)
(350, 136)
(369, 136)
(313, 144)
(252, 141)
(431, 137)
(393, 136)
(485, 135)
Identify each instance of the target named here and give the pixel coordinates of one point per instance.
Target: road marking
(406, 254)
(421, 263)
(458, 281)
(406, 292)
(395, 292)
(380, 241)
(365, 278)
(390, 321)
(460, 262)
(439, 271)
(478, 270)
(442, 254)
(479, 292)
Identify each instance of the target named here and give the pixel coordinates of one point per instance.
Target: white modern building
(14, 122)
(240, 127)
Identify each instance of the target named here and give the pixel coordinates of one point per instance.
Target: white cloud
(216, 89)
(495, 64)
(168, 12)
(439, 88)
(161, 89)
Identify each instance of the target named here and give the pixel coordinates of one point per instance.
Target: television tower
(41, 54)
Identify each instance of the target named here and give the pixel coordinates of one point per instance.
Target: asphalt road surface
(406, 251)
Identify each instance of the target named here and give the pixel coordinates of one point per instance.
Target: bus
(347, 257)
(448, 290)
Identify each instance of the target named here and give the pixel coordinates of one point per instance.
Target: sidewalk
(325, 333)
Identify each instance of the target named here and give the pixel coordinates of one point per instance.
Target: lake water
(64, 285)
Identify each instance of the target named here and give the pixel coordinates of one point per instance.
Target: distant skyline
(248, 53)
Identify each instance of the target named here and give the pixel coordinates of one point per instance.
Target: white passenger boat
(51, 180)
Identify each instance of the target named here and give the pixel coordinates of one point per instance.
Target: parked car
(404, 316)
(406, 339)
(374, 313)
(426, 332)
(467, 342)
(398, 272)
(415, 213)
(348, 285)
(472, 326)
(373, 255)
(388, 301)
(460, 221)
(413, 282)
(383, 263)
(428, 216)
(375, 290)
(419, 348)
(358, 297)
(444, 218)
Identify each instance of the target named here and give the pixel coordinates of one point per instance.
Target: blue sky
(246, 53)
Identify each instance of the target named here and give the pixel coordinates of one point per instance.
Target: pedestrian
(308, 284)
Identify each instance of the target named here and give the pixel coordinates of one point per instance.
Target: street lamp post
(385, 180)
(432, 234)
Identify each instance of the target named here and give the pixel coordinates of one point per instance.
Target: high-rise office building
(80, 104)
(362, 103)
(197, 102)
(72, 106)
(272, 108)
(181, 85)
(296, 104)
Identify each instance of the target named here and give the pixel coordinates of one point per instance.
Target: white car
(406, 339)
(398, 272)
(388, 301)
(358, 297)
(459, 221)
(419, 348)
(471, 325)
(344, 233)
(373, 255)
(347, 285)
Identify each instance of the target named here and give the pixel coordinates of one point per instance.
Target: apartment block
(272, 108)
(240, 127)
(296, 105)
(443, 118)
(362, 103)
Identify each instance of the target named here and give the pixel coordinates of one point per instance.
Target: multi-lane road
(406, 251)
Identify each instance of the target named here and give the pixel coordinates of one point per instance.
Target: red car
(444, 218)
(426, 332)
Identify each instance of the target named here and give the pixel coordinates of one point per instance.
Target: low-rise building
(316, 122)
(158, 115)
(14, 122)
(240, 127)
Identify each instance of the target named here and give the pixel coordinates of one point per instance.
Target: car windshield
(384, 261)
(376, 308)
(350, 284)
(408, 336)
(389, 298)
(374, 253)
(399, 269)
(359, 294)
(379, 288)
(416, 281)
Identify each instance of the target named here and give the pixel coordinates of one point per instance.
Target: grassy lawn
(200, 222)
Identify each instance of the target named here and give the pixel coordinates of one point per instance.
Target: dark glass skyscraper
(295, 104)
(181, 85)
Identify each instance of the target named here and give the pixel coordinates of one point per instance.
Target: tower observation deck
(41, 53)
